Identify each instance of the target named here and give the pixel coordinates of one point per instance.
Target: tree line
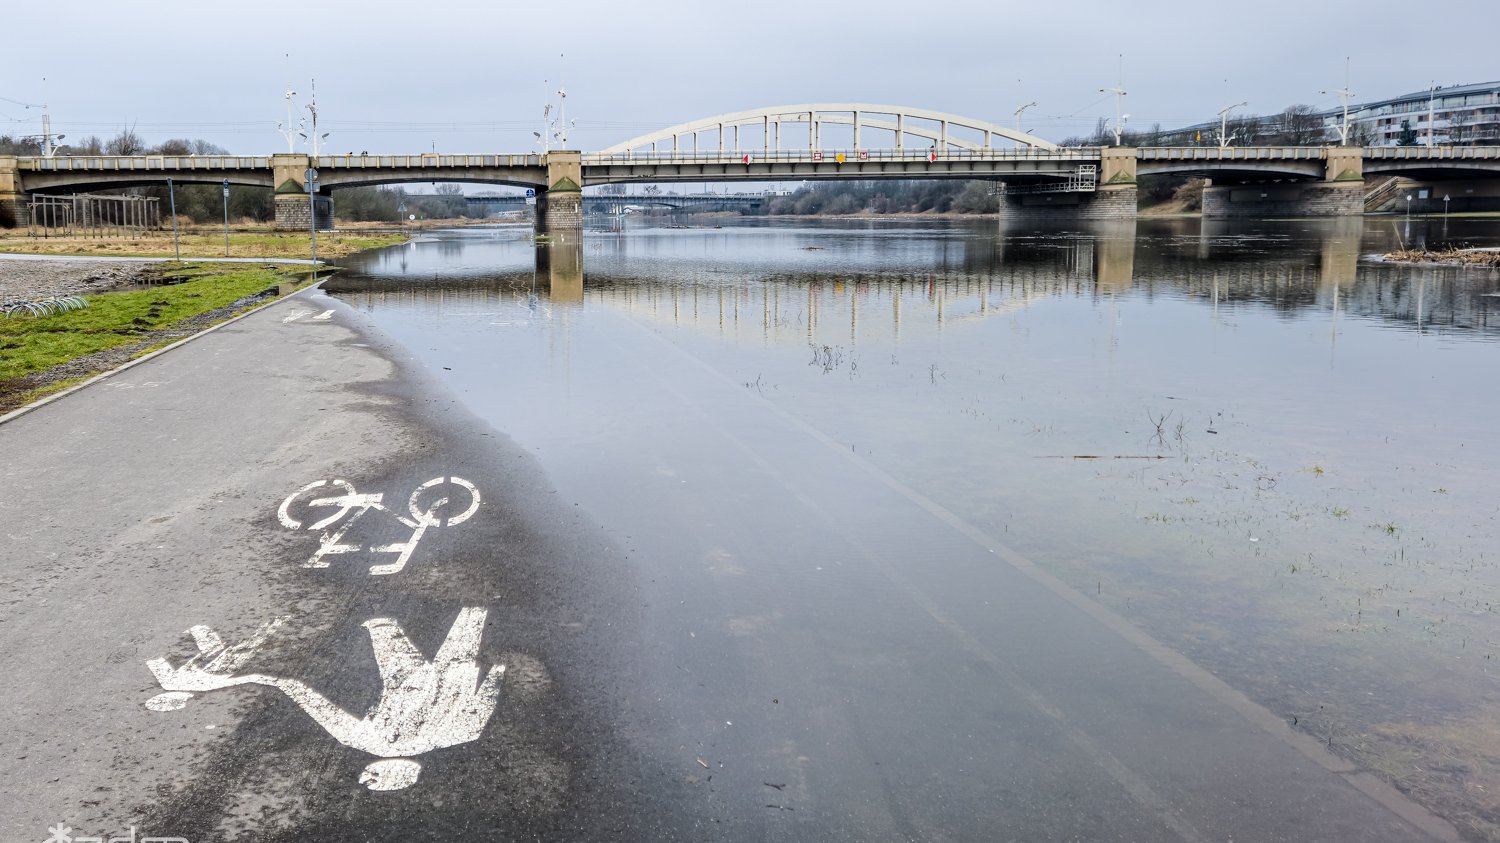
(887, 197)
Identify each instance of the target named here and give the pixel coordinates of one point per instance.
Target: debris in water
(703, 763)
(777, 786)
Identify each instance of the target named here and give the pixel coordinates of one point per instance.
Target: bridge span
(1037, 179)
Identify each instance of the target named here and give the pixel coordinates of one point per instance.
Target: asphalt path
(638, 700)
(147, 504)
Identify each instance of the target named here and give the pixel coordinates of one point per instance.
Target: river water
(1254, 443)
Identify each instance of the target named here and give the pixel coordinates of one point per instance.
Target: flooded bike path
(831, 654)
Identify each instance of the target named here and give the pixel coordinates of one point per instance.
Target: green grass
(30, 345)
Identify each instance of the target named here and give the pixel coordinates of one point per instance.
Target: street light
(1119, 92)
(1224, 123)
(1408, 206)
(1344, 94)
(1020, 111)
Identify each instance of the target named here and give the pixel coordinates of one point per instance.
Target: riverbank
(203, 242)
(159, 304)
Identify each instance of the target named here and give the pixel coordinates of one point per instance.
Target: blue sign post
(226, 218)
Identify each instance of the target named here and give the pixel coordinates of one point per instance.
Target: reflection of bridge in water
(1218, 265)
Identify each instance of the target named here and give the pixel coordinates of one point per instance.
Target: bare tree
(1301, 126)
(127, 142)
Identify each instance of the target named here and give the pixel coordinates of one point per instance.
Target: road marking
(423, 705)
(422, 517)
(296, 314)
(323, 317)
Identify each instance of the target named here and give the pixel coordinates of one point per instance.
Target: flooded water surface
(863, 472)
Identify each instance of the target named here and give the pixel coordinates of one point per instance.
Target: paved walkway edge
(42, 402)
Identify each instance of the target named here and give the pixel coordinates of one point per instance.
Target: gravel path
(38, 278)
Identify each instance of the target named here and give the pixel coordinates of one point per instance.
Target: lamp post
(1344, 94)
(1408, 206)
(1021, 111)
(1119, 91)
(1224, 123)
(172, 199)
(226, 218)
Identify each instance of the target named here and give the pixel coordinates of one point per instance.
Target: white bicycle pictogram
(440, 502)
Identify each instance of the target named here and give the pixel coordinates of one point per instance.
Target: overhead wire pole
(1119, 92)
(1344, 94)
(1431, 94)
(287, 130)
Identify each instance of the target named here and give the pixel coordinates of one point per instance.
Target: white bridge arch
(934, 128)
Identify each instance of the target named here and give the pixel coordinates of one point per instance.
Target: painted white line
(423, 704)
(293, 317)
(323, 317)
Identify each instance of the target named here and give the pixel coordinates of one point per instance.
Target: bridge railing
(1436, 153)
(426, 161)
(1231, 153)
(135, 163)
(830, 156)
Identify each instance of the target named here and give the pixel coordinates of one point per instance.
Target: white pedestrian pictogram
(423, 705)
(446, 495)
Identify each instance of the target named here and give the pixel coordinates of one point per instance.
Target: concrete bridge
(1038, 179)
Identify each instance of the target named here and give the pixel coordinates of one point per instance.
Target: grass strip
(29, 345)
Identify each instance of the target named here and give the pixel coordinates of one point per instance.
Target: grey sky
(437, 70)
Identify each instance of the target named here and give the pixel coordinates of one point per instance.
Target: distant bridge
(1040, 179)
(615, 202)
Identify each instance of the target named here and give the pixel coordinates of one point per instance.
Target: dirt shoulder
(204, 243)
(32, 278)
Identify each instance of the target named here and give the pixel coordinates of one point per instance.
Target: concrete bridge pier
(1114, 199)
(13, 210)
(1341, 193)
(559, 205)
(293, 211)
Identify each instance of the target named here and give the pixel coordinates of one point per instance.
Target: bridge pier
(1114, 199)
(293, 211)
(1106, 203)
(13, 210)
(559, 205)
(1341, 193)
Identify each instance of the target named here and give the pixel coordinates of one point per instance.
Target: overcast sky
(469, 76)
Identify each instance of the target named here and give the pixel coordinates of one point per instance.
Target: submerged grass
(31, 345)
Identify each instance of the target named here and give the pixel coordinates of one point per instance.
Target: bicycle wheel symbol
(444, 501)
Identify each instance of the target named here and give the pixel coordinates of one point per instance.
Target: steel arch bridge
(933, 129)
